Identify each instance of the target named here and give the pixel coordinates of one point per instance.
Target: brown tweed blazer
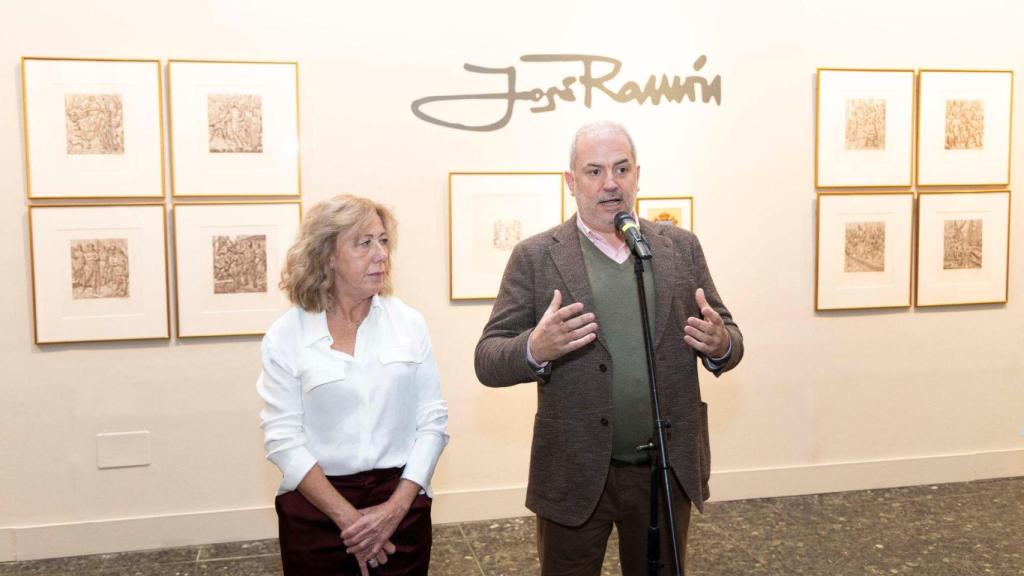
(572, 436)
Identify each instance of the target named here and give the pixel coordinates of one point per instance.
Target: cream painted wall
(821, 402)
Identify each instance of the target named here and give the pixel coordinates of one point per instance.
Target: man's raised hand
(706, 335)
(561, 330)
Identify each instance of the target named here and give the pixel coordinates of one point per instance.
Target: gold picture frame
(864, 128)
(228, 285)
(515, 205)
(669, 210)
(99, 272)
(963, 248)
(863, 247)
(234, 128)
(93, 128)
(955, 145)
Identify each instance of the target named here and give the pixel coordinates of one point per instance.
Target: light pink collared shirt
(618, 253)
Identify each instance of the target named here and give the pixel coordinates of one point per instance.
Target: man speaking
(568, 317)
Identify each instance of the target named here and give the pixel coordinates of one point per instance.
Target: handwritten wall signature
(675, 89)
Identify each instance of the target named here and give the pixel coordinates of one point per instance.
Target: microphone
(625, 224)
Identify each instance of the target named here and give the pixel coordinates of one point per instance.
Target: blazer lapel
(568, 258)
(666, 271)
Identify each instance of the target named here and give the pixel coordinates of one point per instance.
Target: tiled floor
(968, 529)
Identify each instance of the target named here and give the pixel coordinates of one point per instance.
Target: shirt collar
(596, 238)
(316, 322)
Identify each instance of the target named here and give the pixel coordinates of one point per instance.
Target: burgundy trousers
(311, 543)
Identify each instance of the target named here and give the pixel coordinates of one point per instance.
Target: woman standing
(354, 416)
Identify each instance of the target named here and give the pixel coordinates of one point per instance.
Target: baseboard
(846, 476)
(999, 464)
(123, 534)
(144, 533)
(8, 545)
(473, 505)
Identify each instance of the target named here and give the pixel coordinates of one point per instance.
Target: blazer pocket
(403, 353)
(320, 375)
(548, 479)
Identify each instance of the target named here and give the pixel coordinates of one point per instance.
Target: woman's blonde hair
(306, 276)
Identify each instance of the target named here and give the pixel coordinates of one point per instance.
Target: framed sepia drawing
(93, 128)
(864, 128)
(228, 261)
(99, 272)
(489, 213)
(669, 210)
(234, 128)
(963, 248)
(864, 250)
(964, 130)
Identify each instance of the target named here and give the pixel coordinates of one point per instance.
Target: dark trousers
(626, 502)
(311, 543)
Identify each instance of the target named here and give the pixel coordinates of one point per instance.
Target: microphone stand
(660, 480)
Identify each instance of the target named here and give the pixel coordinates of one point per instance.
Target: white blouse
(379, 408)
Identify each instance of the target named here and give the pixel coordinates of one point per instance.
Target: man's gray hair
(594, 128)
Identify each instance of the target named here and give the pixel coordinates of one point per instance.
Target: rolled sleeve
(281, 419)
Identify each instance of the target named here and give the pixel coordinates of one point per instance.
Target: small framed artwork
(99, 272)
(93, 128)
(234, 128)
(965, 122)
(668, 210)
(489, 213)
(963, 248)
(865, 128)
(864, 250)
(228, 261)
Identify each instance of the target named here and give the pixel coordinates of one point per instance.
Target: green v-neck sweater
(618, 321)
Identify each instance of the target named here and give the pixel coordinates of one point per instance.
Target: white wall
(821, 402)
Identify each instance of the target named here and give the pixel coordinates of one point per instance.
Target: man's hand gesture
(561, 330)
(708, 335)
